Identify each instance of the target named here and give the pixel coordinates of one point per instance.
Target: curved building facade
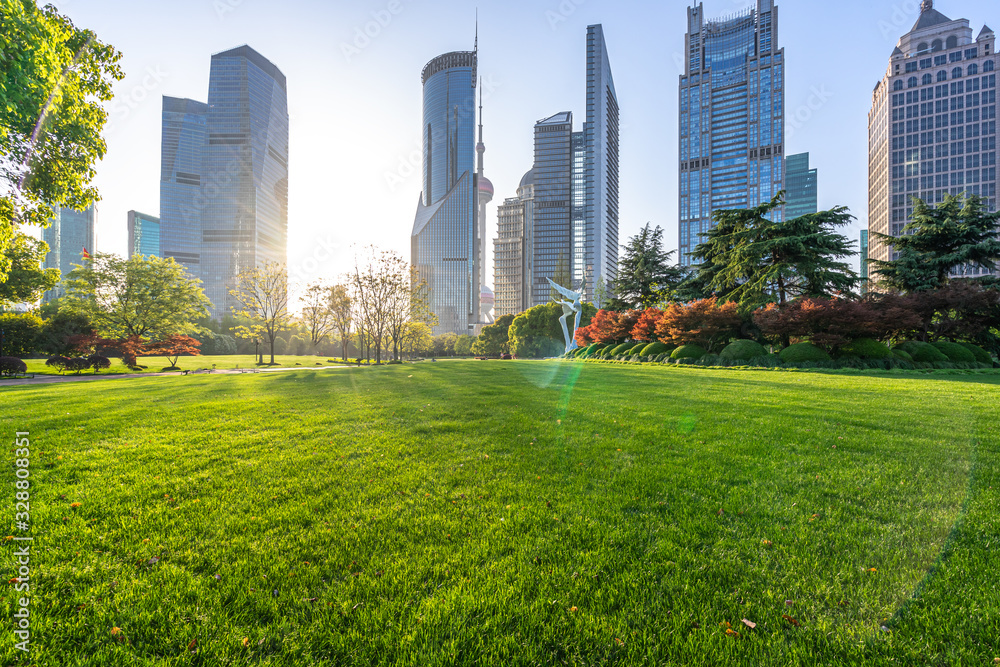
(443, 241)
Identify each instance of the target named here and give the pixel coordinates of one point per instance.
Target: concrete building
(801, 187)
(143, 235)
(732, 117)
(71, 237)
(512, 250)
(932, 124)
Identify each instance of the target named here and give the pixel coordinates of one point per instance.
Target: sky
(355, 98)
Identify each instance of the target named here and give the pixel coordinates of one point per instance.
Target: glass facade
(69, 235)
(143, 235)
(732, 108)
(182, 150)
(801, 187)
(443, 241)
(932, 127)
(553, 191)
(598, 244)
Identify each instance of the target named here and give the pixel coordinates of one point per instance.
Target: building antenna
(480, 109)
(477, 31)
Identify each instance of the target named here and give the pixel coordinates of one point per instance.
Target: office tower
(552, 254)
(485, 191)
(932, 126)
(71, 238)
(598, 243)
(224, 177)
(512, 265)
(801, 187)
(143, 235)
(732, 108)
(864, 261)
(182, 151)
(443, 241)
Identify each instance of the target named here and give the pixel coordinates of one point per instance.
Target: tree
(417, 339)
(262, 295)
(645, 326)
(752, 260)
(374, 283)
(827, 323)
(316, 314)
(645, 275)
(956, 233)
(607, 326)
(444, 345)
(173, 348)
(26, 279)
(19, 334)
(463, 346)
(59, 328)
(494, 340)
(143, 297)
(341, 314)
(707, 323)
(56, 78)
(537, 333)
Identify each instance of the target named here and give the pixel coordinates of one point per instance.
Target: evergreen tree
(958, 232)
(645, 274)
(752, 260)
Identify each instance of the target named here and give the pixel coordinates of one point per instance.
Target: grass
(517, 513)
(160, 364)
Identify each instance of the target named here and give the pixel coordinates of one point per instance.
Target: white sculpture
(568, 309)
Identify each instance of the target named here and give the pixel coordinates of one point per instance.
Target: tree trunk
(272, 351)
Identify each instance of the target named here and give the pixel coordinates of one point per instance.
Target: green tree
(645, 275)
(957, 232)
(54, 79)
(463, 346)
(536, 333)
(142, 297)
(26, 279)
(59, 328)
(417, 339)
(262, 295)
(20, 334)
(494, 339)
(752, 260)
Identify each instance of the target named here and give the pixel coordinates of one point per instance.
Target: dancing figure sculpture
(569, 307)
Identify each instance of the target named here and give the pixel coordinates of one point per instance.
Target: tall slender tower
(485, 191)
(732, 117)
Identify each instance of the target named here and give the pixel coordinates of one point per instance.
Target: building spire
(926, 6)
(476, 49)
(480, 109)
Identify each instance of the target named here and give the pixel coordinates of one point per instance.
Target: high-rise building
(552, 255)
(801, 187)
(932, 126)
(143, 235)
(443, 241)
(512, 265)
(224, 179)
(182, 152)
(864, 261)
(71, 236)
(598, 243)
(732, 112)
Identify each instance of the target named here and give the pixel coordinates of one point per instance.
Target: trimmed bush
(688, 352)
(11, 366)
(866, 348)
(57, 362)
(902, 356)
(743, 350)
(97, 362)
(981, 355)
(955, 352)
(620, 349)
(922, 353)
(802, 353)
(654, 349)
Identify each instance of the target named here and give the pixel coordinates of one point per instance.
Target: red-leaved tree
(831, 323)
(173, 348)
(645, 326)
(608, 326)
(705, 322)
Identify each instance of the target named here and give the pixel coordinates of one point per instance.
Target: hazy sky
(355, 98)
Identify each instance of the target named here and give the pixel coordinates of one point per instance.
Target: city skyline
(827, 103)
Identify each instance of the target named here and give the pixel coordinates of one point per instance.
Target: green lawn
(511, 513)
(160, 364)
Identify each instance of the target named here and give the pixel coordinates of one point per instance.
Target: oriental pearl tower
(484, 197)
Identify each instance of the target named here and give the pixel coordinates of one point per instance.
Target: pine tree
(645, 275)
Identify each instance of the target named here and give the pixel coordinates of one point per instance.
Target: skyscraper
(224, 179)
(552, 254)
(71, 235)
(864, 261)
(932, 126)
(512, 264)
(182, 152)
(143, 235)
(732, 109)
(599, 241)
(801, 187)
(443, 241)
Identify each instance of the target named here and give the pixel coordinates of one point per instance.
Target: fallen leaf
(246, 641)
(573, 609)
(720, 512)
(732, 633)
(791, 620)
(789, 603)
(115, 631)
(766, 543)
(749, 624)
(218, 577)
(872, 569)
(193, 645)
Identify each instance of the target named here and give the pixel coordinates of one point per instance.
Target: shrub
(705, 323)
(620, 349)
(57, 362)
(866, 348)
(802, 353)
(955, 352)
(923, 353)
(688, 352)
(21, 334)
(11, 366)
(743, 349)
(902, 356)
(77, 364)
(655, 349)
(981, 355)
(97, 362)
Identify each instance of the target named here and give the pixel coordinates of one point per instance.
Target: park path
(53, 379)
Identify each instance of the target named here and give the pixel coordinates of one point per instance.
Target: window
(936, 45)
(971, 53)
(988, 66)
(922, 47)
(956, 73)
(973, 69)
(911, 66)
(897, 84)
(952, 42)
(942, 76)
(929, 79)
(912, 82)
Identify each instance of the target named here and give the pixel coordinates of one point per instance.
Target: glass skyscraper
(932, 128)
(553, 193)
(732, 112)
(143, 235)
(801, 187)
(224, 181)
(70, 235)
(182, 152)
(443, 241)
